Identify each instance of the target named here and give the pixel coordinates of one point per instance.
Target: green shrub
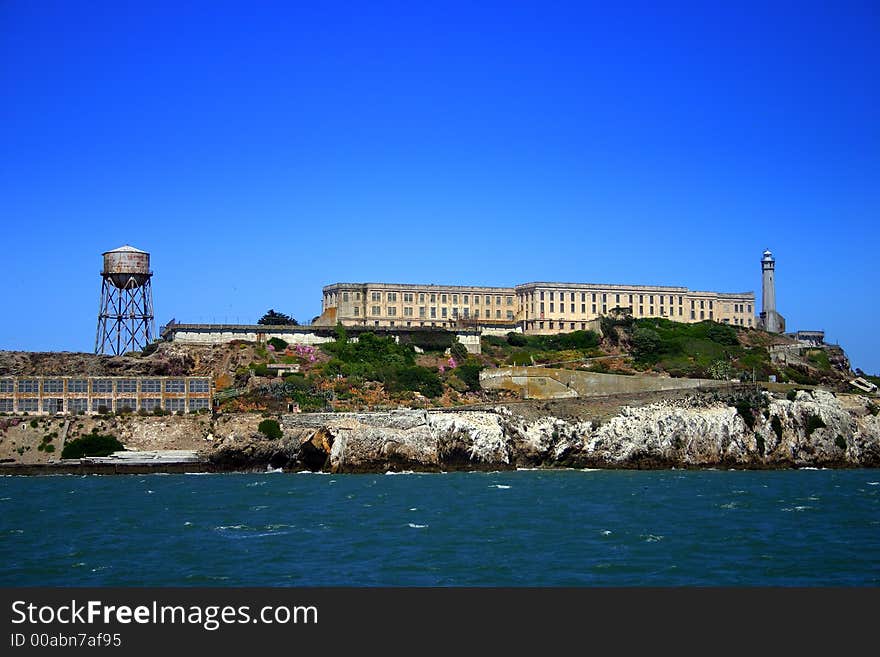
(791, 395)
(840, 441)
(759, 440)
(722, 334)
(776, 425)
(278, 344)
(873, 409)
(814, 422)
(469, 373)
(744, 408)
(49, 449)
(645, 343)
(93, 444)
(456, 384)
(515, 339)
(425, 340)
(261, 369)
(414, 378)
(270, 428)
(33, 424)
(458, 351)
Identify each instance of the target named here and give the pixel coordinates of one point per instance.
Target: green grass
(819, 358)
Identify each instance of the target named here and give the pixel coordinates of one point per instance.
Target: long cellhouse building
(535, 308)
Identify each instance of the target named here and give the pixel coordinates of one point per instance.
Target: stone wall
(548, 383)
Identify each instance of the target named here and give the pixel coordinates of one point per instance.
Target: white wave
(651, 538)
(414, 509)
(729, 505)
(187, 524)
(194, 474)
(402, 472)
(273, 470)
(256, 483)
(606, 532)
(415, 526)
(501, 486)
(874, 483)
(149, 492)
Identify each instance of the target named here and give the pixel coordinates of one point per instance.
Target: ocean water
(524, 528)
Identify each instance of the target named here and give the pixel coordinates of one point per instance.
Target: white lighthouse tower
(770, 320)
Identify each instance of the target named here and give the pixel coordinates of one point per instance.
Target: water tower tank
(127, 267)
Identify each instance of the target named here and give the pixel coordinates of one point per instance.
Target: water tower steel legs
(125, 319)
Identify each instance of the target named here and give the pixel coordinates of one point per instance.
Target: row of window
(99, 405)
(106, 385)
(455, 313)
(432, 297)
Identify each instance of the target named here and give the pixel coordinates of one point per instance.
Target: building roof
(125, 248)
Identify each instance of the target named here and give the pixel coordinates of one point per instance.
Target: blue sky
(262, 150)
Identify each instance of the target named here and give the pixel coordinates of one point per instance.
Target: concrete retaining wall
(546, 383)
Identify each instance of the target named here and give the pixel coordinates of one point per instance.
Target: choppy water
(527, 528)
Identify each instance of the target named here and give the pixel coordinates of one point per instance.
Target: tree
(272, 318)
(645, 342)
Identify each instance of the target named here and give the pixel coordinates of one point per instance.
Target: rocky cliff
(810, 429)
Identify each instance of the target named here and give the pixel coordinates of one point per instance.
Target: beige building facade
(534, 308)
(414, 306)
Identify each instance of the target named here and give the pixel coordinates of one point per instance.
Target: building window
(433, 298)
(6, 385)
(421, 297)
(126, 405)
(583, 309)
(509, 314)
(604, 308)
(392, 297)
(604, 297)
(442, 298)
(476, 313)
(465, 299)
(455, 299)
(407, 311)
(77, 404)
(102, 385)
(345, 297)
(594, 308)
(174, 405)
(376, 310)
(407, 297)
(509, 301)
(497, 314)
(651, 310)
(641, 310)
(28, 385)
(357, 311)
(572, 308)
(616, 298)
(421, 311)
(433, 312)
(376, 296)
(357, 296)
(443, 312)
(198, 404)
(750, 310)
(551, 303)
(476, 299)
(551, 295)
(151, 385)
(542, 307)
(551, 323)
(679, 311)
(53, 385)
(392, 311)
(630, 300)
(693, 315)
(101, 405)
(126, 385)
(199, 385)
(455, 313)
(542, 295)
(702, 315)
(175, 385)
(150, 404)
(679, 300)
(467, 313)
(489, 299)
(710, 314)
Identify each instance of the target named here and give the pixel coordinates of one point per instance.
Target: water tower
(125, 318)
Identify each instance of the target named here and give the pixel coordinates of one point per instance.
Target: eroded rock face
(815, 429)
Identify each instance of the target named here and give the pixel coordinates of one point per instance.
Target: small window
(175, 385)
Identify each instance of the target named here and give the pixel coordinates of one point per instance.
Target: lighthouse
(770, 320)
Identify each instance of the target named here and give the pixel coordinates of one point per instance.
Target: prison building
(543, 308)
(51, 395)
(534, 308)
(409, 306)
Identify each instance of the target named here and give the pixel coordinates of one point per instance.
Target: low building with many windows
(81, 394)
(536, 308)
